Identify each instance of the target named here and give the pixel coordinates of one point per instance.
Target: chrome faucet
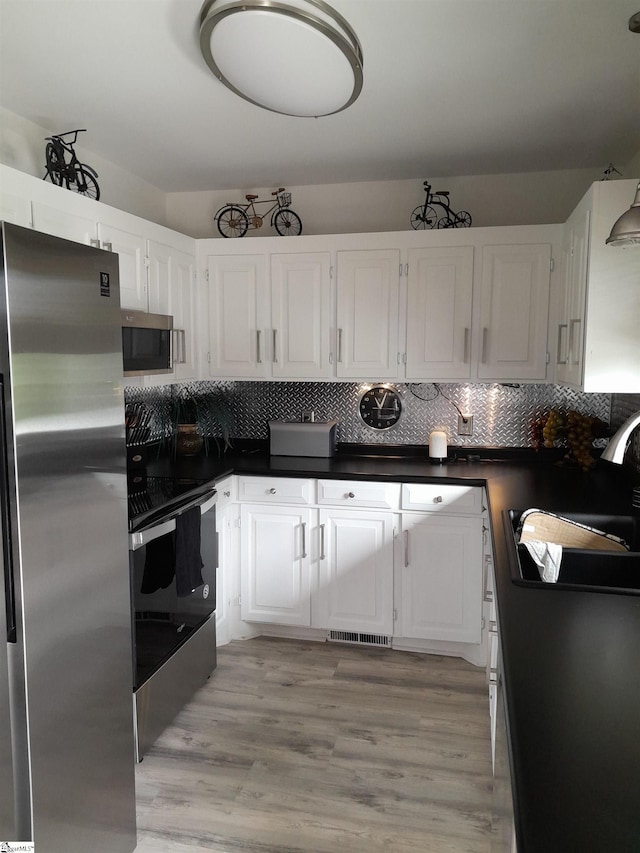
(615, 450)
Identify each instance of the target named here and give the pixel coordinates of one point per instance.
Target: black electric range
(150, 498)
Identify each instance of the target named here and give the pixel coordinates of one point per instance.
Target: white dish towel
(547, 557)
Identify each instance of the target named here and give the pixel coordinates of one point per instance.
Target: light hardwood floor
(301, 747)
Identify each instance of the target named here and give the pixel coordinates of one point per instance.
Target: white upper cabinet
(172, 290)
(439, 314)
(131, 248)
(15, 209)
(514, 312)
(237, 317)
(597, 341)
(301, 315)
(368, 285)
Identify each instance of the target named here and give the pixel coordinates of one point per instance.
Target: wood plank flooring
(302, 747)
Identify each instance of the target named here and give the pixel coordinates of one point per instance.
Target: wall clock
(380, 407)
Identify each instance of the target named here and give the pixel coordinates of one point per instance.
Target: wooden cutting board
(543, 526)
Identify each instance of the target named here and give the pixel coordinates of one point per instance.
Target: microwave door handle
(143, 537)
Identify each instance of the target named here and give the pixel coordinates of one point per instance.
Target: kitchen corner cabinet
(596, 341)
(441, 577)
(514, 311)
(439, 313)
(368, 286)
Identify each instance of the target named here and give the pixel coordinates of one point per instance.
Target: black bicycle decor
(234, 220)
(70, 173)
(436, 213)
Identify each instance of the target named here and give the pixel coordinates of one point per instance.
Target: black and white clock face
(380, 407)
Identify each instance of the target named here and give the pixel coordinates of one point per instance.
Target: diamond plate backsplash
(502, 414)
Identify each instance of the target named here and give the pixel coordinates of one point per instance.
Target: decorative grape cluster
(573, 429)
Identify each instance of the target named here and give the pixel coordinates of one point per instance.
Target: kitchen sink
(582, 568)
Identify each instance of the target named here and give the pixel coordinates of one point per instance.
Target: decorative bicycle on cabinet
(71, 173)
(234, 220)
(426, 215)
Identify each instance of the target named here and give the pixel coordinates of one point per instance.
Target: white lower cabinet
(355, 571)
(275, 564)
(441, 576)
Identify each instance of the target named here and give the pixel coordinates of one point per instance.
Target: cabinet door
(275, 581)
(237, 303)
(570, 337)
(367, 302)
(62, 223)
(301, 315)
(131, 249)
(440, 291)
(441, 577)
(514, 312)
(356, 571)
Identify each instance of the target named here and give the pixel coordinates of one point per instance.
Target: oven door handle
(142, 537)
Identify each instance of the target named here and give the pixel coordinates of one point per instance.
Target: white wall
(22, 147)
(522, 199)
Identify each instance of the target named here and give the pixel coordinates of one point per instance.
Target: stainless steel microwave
(146, 343)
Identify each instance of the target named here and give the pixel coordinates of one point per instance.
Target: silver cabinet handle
(575, 359)
(258, 353)
(467, 337)
(485, 335)
(95, 243)
(438, 499)
(183, 338)
(350, 495)
(304, 539)
(108, 247)
(322, 541)
(406, 549)
(275, 346)
(272, 491)
(559, 358)
(180, 350)
(339, 345)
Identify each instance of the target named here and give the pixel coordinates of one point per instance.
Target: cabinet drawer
(226, 492)
(275, 490)
(359, 493)
(436, 497)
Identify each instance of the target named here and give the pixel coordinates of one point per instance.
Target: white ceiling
(451, 87)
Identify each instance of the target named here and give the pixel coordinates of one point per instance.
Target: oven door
(163, 619)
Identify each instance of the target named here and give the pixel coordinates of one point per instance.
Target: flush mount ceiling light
(300, 58)
(626, 229)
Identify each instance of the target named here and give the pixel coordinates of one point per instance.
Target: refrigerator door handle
(5, 524)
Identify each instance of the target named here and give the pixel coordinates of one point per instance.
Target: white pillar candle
(438, 445)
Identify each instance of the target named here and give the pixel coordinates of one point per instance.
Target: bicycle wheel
(232, 221)
(287, 223)
(445, 222)
(422, 217)
(86, 184)
(54, 165)
(462, 220)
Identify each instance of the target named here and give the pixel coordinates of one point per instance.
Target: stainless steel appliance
(146, 343)
(173, 558)
(66, 734)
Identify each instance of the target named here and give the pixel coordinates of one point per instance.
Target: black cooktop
(151, 498)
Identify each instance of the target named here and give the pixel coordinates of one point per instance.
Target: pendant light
(626, 229)
(299, 58)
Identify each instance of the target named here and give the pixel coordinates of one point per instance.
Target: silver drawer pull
(272, 491)
(437, 499)
(350, 495)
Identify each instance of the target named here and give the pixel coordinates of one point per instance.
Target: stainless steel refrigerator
(66, 719)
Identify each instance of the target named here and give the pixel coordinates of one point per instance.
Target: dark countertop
(571, 659)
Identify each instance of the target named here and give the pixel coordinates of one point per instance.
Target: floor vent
(360, 639)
